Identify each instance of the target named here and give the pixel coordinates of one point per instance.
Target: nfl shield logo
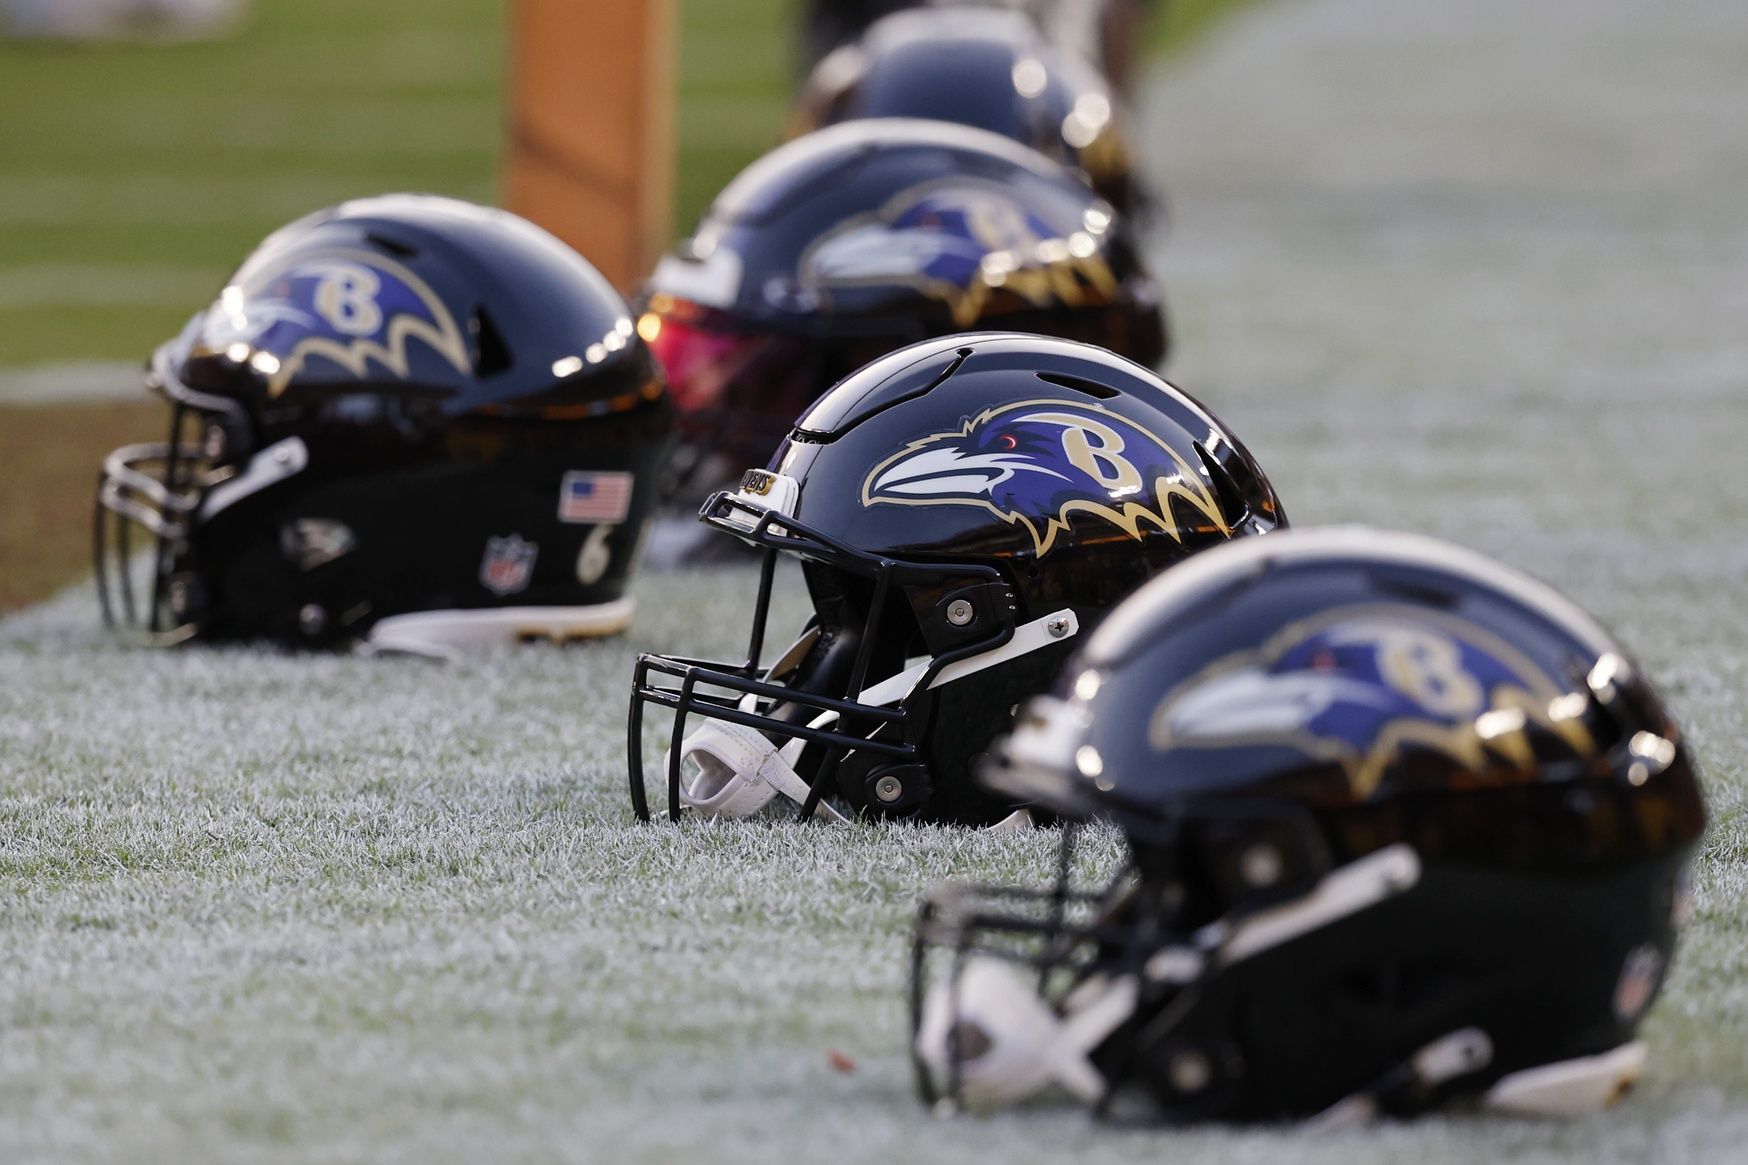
(508, 564)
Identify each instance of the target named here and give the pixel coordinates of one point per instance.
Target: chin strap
(1460, 1053)
(1563, 1088)
(996, 1042)
(1570, 1087)
(738, 771)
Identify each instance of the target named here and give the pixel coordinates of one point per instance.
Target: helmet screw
(178, 596)
(1260, 865)
(1190, 1072)
(1057, 627)
(960, 612)
(283, 457)
(889, 789)
(311, 619)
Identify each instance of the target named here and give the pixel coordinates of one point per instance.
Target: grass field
(264, 908)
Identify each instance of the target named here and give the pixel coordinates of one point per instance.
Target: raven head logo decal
(1359, 685)
(960, 242)
(349, 309)
(1037, 463)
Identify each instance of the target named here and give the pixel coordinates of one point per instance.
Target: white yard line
(38, 285)
(74, 380)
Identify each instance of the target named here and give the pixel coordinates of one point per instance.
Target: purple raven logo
(349, 309)
(957, 242)
(1360, 684)
(1037, 463)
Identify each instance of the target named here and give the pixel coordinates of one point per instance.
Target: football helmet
(1401, 826)
(406, 420)
(962, 509)
(860, 238)
(986, 67)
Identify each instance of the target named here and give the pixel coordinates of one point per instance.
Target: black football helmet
(406, 420)
(858, 239)
(829, 24)
(986, 67)
(962, 509)
(1402, 826)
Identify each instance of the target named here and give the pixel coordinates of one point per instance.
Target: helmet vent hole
(1079, 384)
(1232, 501)
(1404, 583)
(494, 354)
(394, 247)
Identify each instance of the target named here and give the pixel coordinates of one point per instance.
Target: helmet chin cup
(731, 770)
(994, 1041)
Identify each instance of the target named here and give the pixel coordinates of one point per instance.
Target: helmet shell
(904, 229)
(458, 401)
(849, 242)
(1073, 473)
(1081, 474)
(1406, 797)
(1344, 668)
(963, 510)
(476, 306)
(988, 68)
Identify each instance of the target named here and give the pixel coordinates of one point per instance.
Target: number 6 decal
(594, 558)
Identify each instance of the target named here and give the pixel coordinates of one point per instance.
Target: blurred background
(141, 162)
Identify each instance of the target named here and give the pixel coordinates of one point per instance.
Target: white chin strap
(1020, 1047)
(731, 770)
(1570, 1087)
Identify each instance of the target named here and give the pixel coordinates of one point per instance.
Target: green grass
(1181, 24)
(133, 178)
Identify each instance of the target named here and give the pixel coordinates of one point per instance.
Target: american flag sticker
(594, 496)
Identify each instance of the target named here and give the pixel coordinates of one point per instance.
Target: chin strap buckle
(995, 1041)
(737, 772)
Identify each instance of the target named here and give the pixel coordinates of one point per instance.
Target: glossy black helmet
(962, 510)
(858, 239)
(991, 68)
(1402, 826)
(408, 420)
